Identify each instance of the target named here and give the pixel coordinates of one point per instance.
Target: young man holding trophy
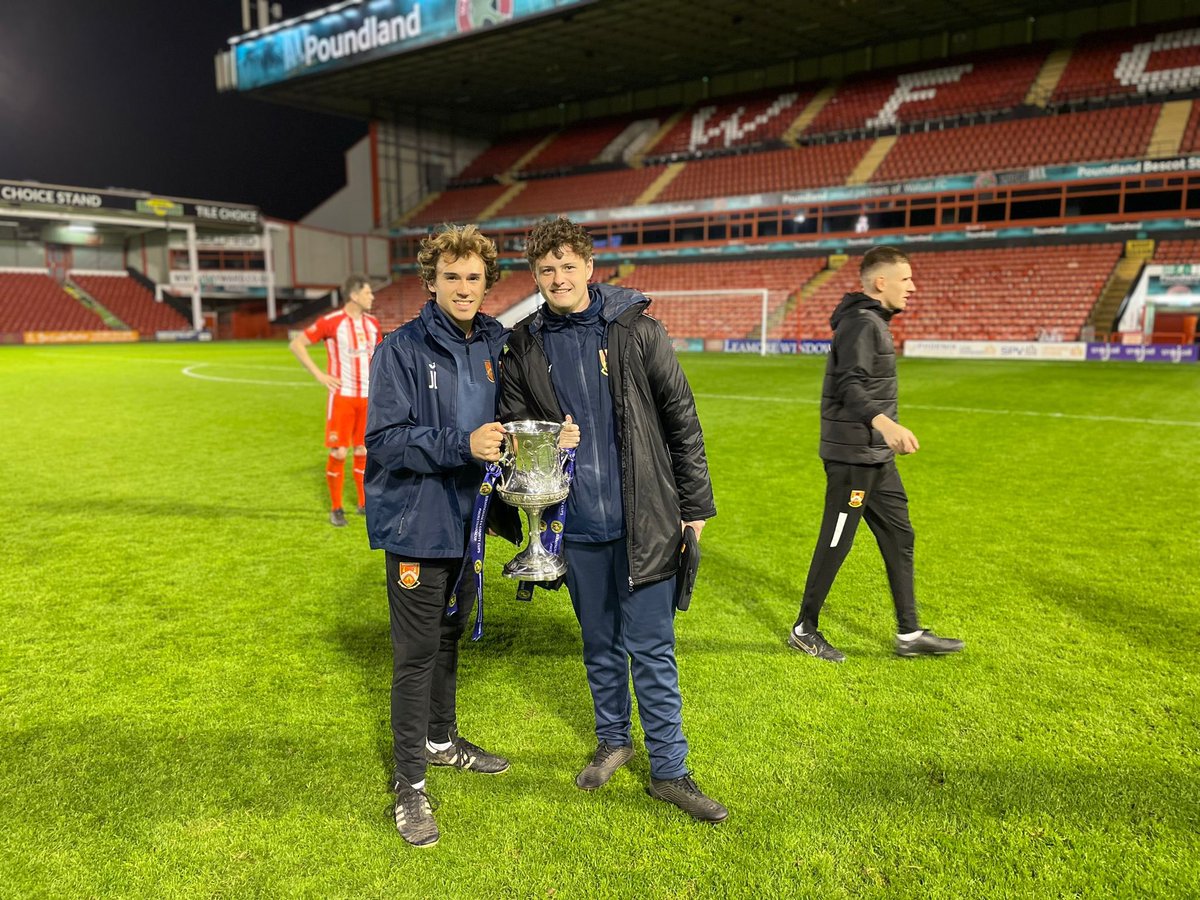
(640, 478)
(431, 427)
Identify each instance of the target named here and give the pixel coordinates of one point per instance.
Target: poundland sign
(346, 34)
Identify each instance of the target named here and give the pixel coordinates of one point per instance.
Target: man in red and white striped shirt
(350, 335)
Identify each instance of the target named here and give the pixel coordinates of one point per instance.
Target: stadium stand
(742, 121)
(501, 156)
(986, 83)
(595, 190)
(721, 317)
(1010, 293)
(132, 303)
(33, 302)
(460, 204)
(514, 285)
(1191, 134)
(1181, 252)
(576, 146)
(1155, 60)
(396, 303)
(1106, 134)
(775, 170)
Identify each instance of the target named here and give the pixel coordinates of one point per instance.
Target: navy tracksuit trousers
(628, 632)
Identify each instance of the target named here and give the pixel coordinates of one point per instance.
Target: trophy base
(543, 568)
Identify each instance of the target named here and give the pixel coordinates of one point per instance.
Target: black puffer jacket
(860, 383)
(664, 471)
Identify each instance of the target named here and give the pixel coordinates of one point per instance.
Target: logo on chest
(432, 376)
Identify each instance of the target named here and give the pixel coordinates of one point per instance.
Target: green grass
(195, 666)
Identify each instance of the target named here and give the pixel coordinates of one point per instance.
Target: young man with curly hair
(431, 426)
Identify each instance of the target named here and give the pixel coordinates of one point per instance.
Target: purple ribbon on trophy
(552, 530)
(533, 475)
(471, 579)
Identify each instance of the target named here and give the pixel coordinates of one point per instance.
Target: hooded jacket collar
(859, 301)
(611, 301)
(445, 332)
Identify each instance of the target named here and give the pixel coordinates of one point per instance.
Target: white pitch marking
(190, 373)
(1128, 420)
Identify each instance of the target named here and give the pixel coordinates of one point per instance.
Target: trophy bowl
(531, 479)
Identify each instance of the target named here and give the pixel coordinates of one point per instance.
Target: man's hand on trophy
(486, 441)
(568, 438)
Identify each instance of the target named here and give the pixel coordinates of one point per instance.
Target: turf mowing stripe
(972, 409)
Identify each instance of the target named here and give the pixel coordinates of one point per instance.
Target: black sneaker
(684, 794)
(414, 816)
(927, 644)
(606, 760)
(814, 644)
(337, 518)
(462, 754)
(362, 509)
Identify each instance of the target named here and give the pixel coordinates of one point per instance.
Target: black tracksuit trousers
(876, 494)
(424, 658)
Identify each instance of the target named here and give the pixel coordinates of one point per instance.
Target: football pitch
(195, 665)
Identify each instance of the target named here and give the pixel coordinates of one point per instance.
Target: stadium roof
(596, 48)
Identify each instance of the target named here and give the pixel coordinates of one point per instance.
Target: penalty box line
(1083, 417)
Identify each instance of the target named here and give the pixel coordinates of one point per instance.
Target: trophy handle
(508, 458)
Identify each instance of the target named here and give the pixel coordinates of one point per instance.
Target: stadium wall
(416, 159)
(108, 258)
(22, 255)
(148, 254)
(349, 209)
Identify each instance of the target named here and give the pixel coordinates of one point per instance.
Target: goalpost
(741, 315)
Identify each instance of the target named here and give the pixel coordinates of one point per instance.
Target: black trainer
(414, 816)
(362, 509)
(684, 793)
(337, 518)
(605, 761)
(814, 644)
(928, 644)
(462, 754)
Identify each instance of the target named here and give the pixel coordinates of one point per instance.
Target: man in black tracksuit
(431, 427)
(641, 476)
(860, 436)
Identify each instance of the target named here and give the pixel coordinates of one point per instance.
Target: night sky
(121, 93)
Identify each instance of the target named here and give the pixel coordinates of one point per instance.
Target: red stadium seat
(36, 302)
(736, 316)
(1156, 59)
(132, 303)
(1010, 293)
(990, 82)
(1106, 134)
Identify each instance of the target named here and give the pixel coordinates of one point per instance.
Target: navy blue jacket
(577, 348)
(417, 455)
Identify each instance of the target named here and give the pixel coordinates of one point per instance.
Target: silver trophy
(532, 478)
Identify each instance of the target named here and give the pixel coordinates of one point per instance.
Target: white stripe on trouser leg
(837, 532)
